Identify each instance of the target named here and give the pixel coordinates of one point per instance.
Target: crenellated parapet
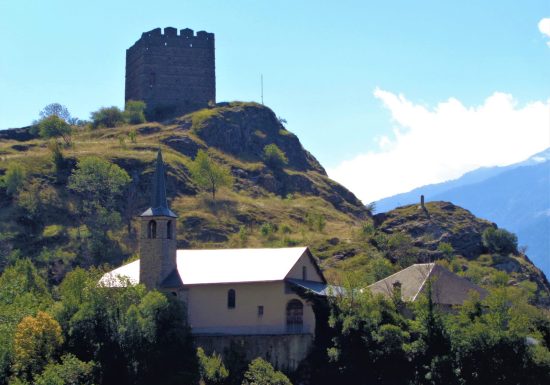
(172, 71)
(170, 35)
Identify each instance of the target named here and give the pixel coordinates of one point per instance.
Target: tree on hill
(100, 184)
(54, 127)
(500, 241)
(107, 117)
(209, 175)
(14, 178)
(134, 111)
(274, 157)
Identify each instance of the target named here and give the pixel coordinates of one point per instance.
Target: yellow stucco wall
(208, 312)
(296, 271)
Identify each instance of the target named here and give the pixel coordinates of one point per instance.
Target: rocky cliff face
(244, 129)
(438, 222)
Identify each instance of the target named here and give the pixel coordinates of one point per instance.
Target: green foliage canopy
(212, 369)
(54, 127)
(107, 117)
(14, 178)
(500, 241)
(134, 111)
(260, 372)
(209, 175)
(274, 157)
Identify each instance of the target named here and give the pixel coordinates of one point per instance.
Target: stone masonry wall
(172, 73)
(284, 352)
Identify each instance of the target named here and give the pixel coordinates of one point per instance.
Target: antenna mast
(262, 87)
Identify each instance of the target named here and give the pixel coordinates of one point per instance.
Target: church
(245, 296)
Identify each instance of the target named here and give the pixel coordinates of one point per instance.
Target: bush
(268, 230)
(70, 371)
(14, 178)
(211, 368)
(500, 241)
(274, 156)
(134, 111)
(316, 221)
(107, 117)
(260, 372)
(54, 127)
(446, 249)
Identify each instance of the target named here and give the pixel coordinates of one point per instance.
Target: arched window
(304, 273)
(294, 316)
(152, 229)
(169, 230)
(231, 299)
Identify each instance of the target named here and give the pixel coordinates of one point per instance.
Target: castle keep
(172, 73)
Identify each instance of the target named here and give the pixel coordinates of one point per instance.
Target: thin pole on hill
(262, 87)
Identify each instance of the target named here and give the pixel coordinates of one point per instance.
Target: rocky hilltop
(296, 204)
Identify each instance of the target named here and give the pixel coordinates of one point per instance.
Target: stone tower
(172, 73)
(157, 243)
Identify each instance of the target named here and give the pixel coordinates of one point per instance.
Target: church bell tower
(157, 241)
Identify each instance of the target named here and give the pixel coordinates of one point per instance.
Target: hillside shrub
(107, 117)
(500, 241)
(274, 157)
(54, 127)
(134, 111)
(316, 221)
(446, 249)
(268, 230)
(14, 178)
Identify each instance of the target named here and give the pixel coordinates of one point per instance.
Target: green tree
(14, 178)
(209, 175)
(107, 117)
(99, 181)
(135, 336)
(212, 369)
(100, 184)
(54, 127)
(70, 371)
(446, 249)
(134, 111)
(36, 197)
(274, 157)
(260, 372)
(500, 241)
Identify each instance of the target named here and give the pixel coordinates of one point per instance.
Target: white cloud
(431, 145)
(544, 28)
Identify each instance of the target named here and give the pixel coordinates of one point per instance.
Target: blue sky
(343, 74)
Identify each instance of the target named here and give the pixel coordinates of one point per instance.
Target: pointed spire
(158, 197)
(159, 204)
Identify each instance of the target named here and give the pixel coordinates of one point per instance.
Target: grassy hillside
(266, 206)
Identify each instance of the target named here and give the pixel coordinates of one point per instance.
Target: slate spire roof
(159, 204)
